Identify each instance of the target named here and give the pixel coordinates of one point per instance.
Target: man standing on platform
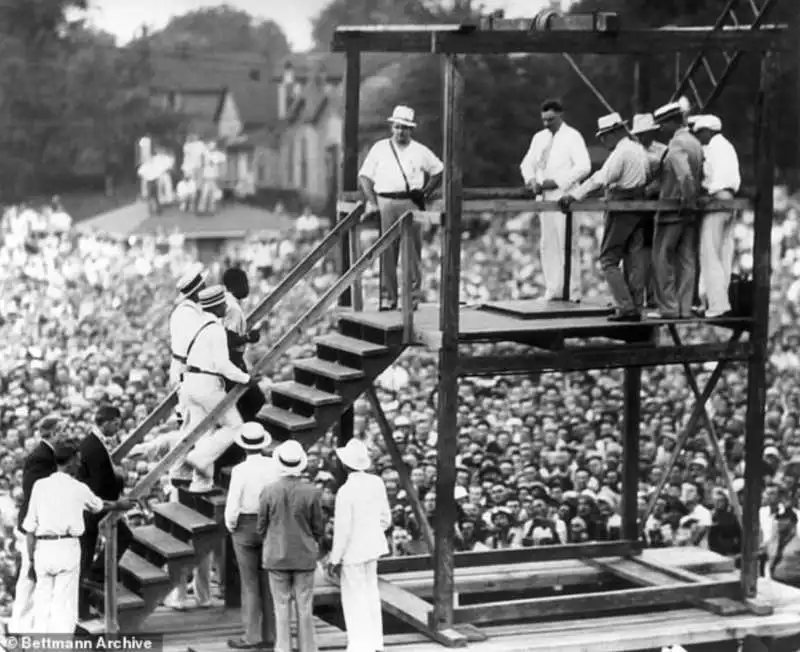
(645, 130)
(41, 463)
(675, 239)
(361, 518)
(398, 176)
(293, 524)
(623, 177)
(248, 481)
(721, 181)
(557, 160)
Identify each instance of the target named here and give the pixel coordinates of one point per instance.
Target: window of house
(261, 170)
(255, 75)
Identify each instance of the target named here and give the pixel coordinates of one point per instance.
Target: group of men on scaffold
(202, 167)
(649, 259)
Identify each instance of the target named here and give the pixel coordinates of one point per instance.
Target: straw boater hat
(608, 123)
(212, 296)
(668, 112)
(354, 455)
(643, 123)
(253, 437)
(192, 280)
(291, 458)
(403, 115)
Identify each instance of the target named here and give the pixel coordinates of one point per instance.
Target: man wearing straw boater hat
(290, 518)
(645, 130)
(185, 320)
(248, 481)
(361, 519)
(622, 177)
(675, 238)
(397, 176)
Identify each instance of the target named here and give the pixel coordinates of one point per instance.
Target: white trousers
(361, 603)
(200, 395)
(166, 193)
(552, 251)
(55, 599)
(22, 612)
(717, 248)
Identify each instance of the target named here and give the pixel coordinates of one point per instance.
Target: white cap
(710, 122)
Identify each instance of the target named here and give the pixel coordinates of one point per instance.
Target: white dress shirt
(720, 166)
(210, 353)
(361, 518)
(562, 157)
(626, 168)
(57, 505)
(248, 480)
(184, 323)
(382, 168)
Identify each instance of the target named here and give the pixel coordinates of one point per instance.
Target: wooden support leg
(709, 424)
(630, 473)
(402, 469)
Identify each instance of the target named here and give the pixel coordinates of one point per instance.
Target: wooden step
(140, 570)
(306, 394)
(211, 505)
(389, 321)
(351, 345)
(92, 627)
(158, 547)
(330, 370)
(182, 521)
(288, 421)
(126, 599)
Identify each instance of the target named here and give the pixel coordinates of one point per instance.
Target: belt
(56, 537)
(394, 195)
(196, 370)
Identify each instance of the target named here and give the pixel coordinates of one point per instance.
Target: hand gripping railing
(400, 229)
(162, 411)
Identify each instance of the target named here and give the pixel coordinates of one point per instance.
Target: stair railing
(264, 307)
(402, 229)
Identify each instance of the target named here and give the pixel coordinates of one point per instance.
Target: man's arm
(368, 188)
(581, 163)
(678, 162)
(263, 512)
(317, 516)
(528, 165)
(233, 501)
(221, 356)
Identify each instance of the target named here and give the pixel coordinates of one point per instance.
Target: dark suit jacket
(41, 463)
(96, 469)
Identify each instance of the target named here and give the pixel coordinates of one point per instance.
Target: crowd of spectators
(84, 320)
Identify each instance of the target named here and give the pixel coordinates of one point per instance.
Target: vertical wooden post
(630, 469)
(110, 589)
(446, 509)
(641, 84)
(352, 102)
(756, 390)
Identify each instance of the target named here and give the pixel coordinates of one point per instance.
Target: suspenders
(192, 368)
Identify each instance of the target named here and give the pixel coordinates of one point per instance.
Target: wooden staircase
(347, 363)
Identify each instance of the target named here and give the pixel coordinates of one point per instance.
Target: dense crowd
(84, 320)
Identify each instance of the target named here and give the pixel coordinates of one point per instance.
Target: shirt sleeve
(369, 167)
(677, 160)
(385, 513)
(581, 163)
(342, 527)
(528, 165)
(91, 502)
(433, 165)
(31, 521)
(233, 502)
(221, 360)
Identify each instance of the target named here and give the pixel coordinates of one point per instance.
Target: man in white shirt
(397, 176)
(362, 516)
(623, 176)
(721, 181)
(54, 525)
(557, 160)
(248, 480)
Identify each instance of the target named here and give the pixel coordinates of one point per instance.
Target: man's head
(706, 127)
(403, 123)
(552, 114)
(611, 130)
(192, 283)
(644, 128)
(67, 458)
(108, 419)
(51, 429)
(212, 299)
(235, 281)
(670, 117)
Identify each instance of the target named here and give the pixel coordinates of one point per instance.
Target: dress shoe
(241, 644)
(625, 316)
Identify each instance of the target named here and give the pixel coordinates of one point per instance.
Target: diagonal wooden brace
(709, 424)
(691, 426)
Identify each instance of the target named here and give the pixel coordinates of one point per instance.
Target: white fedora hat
(403, 115)
(609, 122)
(291, 458)
(253, 437)
(643, 123)
(354, 455)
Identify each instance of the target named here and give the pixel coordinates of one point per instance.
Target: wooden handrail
(162, 411)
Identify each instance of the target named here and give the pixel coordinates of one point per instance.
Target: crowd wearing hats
(85, 320)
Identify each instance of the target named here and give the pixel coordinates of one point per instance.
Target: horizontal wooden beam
(593, 603)
(592, 357)
(515, 556)
(630, 41)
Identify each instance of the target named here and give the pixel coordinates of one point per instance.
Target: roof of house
(204, 72)
(332, 64)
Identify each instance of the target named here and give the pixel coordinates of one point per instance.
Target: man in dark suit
(41, 463)
(97, 471)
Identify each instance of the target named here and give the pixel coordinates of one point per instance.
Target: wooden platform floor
(515, 320)
(208, 630)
